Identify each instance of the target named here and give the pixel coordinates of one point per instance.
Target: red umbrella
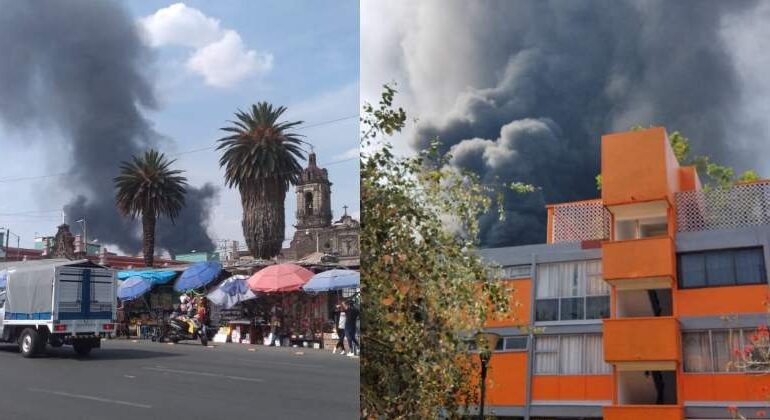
(279, 278)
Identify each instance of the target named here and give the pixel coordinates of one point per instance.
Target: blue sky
(302, 54)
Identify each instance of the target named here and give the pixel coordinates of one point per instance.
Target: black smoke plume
(78, 67)
(569, 72)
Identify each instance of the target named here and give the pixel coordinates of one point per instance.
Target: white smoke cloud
(219, 54)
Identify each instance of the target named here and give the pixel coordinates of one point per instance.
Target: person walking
(339, 325)
(351, 318)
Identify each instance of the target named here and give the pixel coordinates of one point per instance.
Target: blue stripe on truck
(24, 316)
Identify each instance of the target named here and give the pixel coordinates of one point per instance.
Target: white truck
(56, 302)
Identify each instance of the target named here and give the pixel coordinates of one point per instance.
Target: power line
(29, 178)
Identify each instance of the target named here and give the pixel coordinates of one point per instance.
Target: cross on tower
(346, 209)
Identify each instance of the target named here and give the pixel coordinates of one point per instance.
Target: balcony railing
(648, 343)
(580, 221)
(724, 208)
(635, 263)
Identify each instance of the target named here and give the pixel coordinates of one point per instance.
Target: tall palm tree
(148, 187)
(261, 157)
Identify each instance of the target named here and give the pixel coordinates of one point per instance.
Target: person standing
(339, 325)
(351, 318)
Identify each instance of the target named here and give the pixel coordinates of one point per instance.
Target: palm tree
(147, 186)
(261, 157)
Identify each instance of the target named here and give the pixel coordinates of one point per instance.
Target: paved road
(146, 380)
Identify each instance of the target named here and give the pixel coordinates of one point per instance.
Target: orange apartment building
(634, 306)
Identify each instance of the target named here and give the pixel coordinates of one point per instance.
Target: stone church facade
(316, 235)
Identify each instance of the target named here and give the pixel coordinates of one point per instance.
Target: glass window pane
(597, 307)
(720, 268)
(572, 308)
(692, 270)
(573, 279)
(499, 345)
(750, 266)
(547, 310)
(697, 354)
(516, 343)
(724, 343)
(516, 272)
(571, 354)
(594, 355)
(546, 355)
(547, 281)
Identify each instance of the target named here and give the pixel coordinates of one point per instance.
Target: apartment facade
(635, 306)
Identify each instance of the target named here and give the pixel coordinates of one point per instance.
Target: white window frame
(742, 332)
(505, 349)
(583, 360)
(584, 296)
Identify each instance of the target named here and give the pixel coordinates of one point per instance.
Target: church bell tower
(313, 197)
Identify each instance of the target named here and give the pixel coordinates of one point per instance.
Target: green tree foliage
(716, 175)
(148, 187)
(424, 284)
(261, 157)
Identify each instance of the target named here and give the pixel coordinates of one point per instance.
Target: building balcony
(739, 206)
(643, 412)
(635, 344)
(578, 221)
(647, 263)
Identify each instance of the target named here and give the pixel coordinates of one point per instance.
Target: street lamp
(486, 342)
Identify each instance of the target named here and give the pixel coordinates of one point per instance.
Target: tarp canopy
(30, 287)
(153, 277)
(231, 292)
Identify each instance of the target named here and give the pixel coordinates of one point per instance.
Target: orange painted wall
(688, 179)
(519, 292)
(507, 379)
(635, 167)
(641, 412)
(641, 339)
(572, 387)
(638, 258)
(725, 386)
(721, 300)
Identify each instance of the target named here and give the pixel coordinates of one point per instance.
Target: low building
(642, 302)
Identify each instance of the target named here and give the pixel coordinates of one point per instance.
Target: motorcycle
(182, 329)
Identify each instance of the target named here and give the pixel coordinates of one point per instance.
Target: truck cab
(56, 302)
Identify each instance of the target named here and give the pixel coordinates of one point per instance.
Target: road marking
(89, 397)
(213, 375)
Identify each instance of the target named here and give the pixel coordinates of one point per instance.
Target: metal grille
(583, 221)
(723, 208)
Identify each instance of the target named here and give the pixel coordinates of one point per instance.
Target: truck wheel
(82, 349)
(55, 342)
(29, 342)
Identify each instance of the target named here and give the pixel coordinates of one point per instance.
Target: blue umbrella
(231, 292)
(333, 280)
(133, 287)
(198, 275)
